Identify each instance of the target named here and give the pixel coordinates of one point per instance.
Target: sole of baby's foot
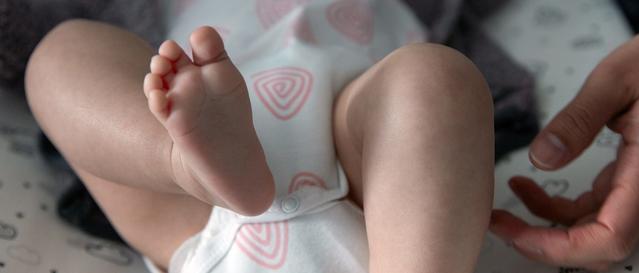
(204, 105)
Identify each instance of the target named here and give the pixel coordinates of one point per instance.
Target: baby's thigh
(430, 77)
(154, 223)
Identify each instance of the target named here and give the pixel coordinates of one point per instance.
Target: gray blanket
(24, 22)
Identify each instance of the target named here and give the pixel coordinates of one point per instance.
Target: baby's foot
(205, 107)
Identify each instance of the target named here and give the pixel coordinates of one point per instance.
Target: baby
(325, 146)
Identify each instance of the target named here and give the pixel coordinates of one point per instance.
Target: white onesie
(296, 56)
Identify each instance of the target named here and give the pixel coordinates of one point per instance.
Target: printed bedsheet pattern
(32, 238)
(560, 42)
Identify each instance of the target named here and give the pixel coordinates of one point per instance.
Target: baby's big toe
(207, 46)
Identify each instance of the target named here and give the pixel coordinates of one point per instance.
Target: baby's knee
(64, 34)
(436, 76)
(50, 53)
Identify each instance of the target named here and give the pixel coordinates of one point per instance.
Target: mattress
(559, 41)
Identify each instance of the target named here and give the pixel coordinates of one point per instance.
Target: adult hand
(602, 224)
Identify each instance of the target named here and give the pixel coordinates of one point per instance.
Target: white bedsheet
(32, 237)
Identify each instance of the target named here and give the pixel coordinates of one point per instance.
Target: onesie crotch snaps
(290, 204)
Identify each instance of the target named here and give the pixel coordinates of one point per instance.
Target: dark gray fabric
(630, 8)
(440, 16)
(24, 22)
(18, 37)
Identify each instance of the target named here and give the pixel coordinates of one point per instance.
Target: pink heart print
(353, 19)
(306, 179)
(284, 90)
(264, 243)
(271, 11)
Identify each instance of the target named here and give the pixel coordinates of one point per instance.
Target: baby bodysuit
(296, 56)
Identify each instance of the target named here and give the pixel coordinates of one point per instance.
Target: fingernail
(548, 151)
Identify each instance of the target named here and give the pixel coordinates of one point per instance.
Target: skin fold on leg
(415, 135)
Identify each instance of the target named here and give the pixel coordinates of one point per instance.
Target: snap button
(290, 204)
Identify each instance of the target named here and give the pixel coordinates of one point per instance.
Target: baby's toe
(159, 104)
(174, 53)
(152, 81)
(161, 65)
(207, 46)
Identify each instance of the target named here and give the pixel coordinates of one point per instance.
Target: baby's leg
(85, 88)
(415, 135)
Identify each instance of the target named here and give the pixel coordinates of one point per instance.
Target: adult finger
(611, 237)
(601, 98)
(560, 209)
(579, 246)
(553, 208)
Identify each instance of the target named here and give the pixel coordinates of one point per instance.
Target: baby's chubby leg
(147, 169)
(415, 135)
(86, 87)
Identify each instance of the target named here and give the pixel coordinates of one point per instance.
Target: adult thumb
(572, 130)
